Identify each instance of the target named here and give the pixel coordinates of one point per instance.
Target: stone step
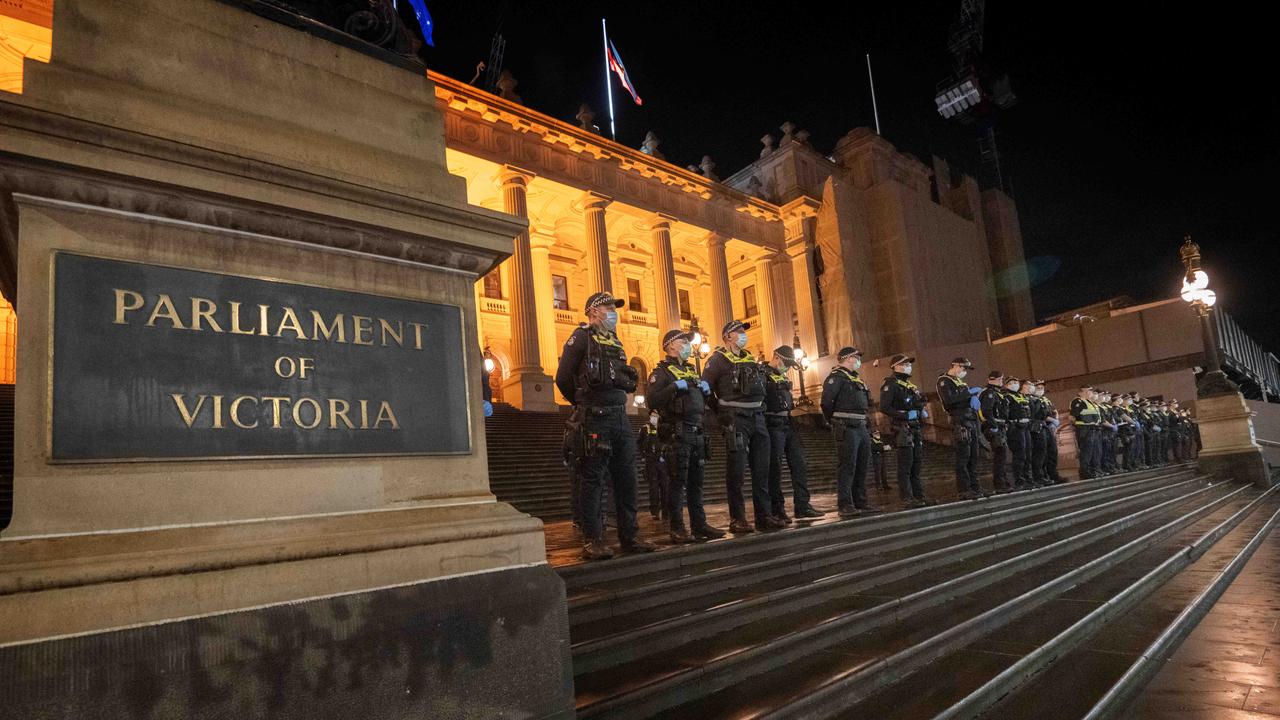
(806, 614)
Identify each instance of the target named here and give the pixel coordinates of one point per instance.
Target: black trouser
(1128, 451)
(1020, 447)
(853, 455)
(657, 477)
(746, 443)
(1149, 447)
(686, 460)
(785, 441)
(964, 438)
(1038, 450)
(998, 437)
(879, 468)
(608, 456)
(1108, 449)
(1087, 450)
(909, 446)
(1051, 455)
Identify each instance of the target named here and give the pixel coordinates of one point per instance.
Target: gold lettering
(275, 409)
(364, 329)
(203, 309)
(315, 411)
(397, 334)
(305, 364)
(335, 413)
(188, 416)
(217, 412)
(279, 366)
(417, 335)
(384, 411)
(135, 302)
(164, 309)
(318, 327)
(235, 321)
(235, 412)
(262, 321)
(364, 414)
(290, 322)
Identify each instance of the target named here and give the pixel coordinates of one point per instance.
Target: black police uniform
(680, 413)
(995, 424)
(784, 440)
(955, 397)
(1051, 441)
(594, 375)
(1020, 438)
(899, 399)
(1107, 430)
(655, 469)
(737, 396)
(1126, 432)
(877, 460)
(1085, 415)
(845, 402)
(1036, 431)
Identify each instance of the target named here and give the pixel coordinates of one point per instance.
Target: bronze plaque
(162, 363)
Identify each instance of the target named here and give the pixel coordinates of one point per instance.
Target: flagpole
(608, 86)
(875, 110)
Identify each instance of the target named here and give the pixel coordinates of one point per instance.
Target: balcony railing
(567, 317)
(641, 318)
(496, 306)
(1245, 356)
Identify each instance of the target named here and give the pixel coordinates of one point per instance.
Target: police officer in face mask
(902, 402)
(994, 412)
(737, 396)
(1051, 425)
(678, 395)
(784, 440)
(1085, 416)
(845, 404)
(1019, 433)
(960, 400)
(594, 375)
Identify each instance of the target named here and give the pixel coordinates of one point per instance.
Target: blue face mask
(742, 340)
(685, 352)
(610, 321)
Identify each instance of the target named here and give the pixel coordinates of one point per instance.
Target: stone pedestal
(1230, 449)
(293, 582)
(530, 391)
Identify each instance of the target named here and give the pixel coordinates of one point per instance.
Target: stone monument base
(1230, 450)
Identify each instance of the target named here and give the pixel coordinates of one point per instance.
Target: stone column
(528, 387)
(599, 272)
(765, 296)
(664, 275)
(801, 223)
(540, 244)
(721, 303)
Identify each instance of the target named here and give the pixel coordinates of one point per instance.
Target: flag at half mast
(615, 64)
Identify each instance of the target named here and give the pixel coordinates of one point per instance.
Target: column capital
(714, 238)
(592, 199)
(540, 238)
(659, 221)
(512, 175)
(766, 255)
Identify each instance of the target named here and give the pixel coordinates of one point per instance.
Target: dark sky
(1130, 130)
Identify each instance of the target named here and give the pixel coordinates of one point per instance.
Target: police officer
(994, 412)
(1085, 417)
(1036, 433)
(1019, 433)
(1124, 432)
(878, 449)
(903, 403)
(845, 403)
(594, 375)
(784, 440)
(1109, 432)
(958, 399)
(1051, 425)
(737, 396)
(678, 395)
(655, 466)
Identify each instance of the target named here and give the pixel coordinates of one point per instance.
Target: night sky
(1130, 129)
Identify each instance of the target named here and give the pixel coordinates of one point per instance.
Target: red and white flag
(615, 64)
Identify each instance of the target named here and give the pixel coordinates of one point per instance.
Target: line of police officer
(1125, 432)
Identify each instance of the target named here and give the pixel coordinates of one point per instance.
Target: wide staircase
(526, 463)
(6, 455)
(1004, 607)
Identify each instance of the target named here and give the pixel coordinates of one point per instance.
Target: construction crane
(974, 92)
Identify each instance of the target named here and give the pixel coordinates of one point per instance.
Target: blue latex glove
(924, 413)
(488, 409)
(682, 384)
(706, 389)
(912, 414)
(975, 403)
(975, 391)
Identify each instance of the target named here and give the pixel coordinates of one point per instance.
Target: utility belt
(779, 413)
(676, 430)
(1023, 421)
(742, 408)
(850, 419)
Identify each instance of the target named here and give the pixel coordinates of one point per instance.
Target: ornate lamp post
(803, 359)
(701, 348)
(1195, 290)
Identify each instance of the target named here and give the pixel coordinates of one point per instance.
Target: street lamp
(701, 348)
(1195, 290)
(803, 360)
